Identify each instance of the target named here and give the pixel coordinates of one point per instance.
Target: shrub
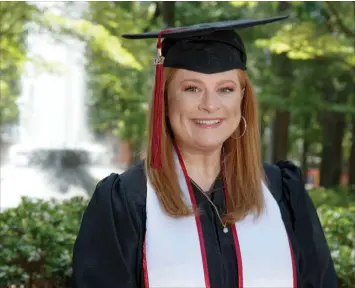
(336, 210)
(338, 225)
(36, 241)
(340, 197)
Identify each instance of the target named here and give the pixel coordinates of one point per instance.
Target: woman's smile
(208, 122)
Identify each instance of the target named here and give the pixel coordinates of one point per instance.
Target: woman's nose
(209, 102)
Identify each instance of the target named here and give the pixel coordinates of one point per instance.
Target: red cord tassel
(158, 108)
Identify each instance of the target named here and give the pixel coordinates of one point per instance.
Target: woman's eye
(226, 90)
(191, 89)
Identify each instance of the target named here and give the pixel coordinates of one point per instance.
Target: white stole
(173, 255)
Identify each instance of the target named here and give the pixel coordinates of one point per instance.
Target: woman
(199, 211)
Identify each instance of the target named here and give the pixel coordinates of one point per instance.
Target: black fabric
(205, 28)
(205, 48)
(316, 267)
(221, 259)
(206, 54)
(108, 249)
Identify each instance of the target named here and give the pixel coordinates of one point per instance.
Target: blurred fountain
(55, 155)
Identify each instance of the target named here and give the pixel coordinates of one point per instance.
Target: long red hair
(243, 164)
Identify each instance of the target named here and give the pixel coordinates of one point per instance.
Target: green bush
(36, 241)
(340, 197)
(37, 237)
(338, 224)
(336, 210)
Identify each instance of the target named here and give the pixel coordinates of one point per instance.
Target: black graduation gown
(108, 249)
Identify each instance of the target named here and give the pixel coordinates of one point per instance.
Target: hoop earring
(245, 129)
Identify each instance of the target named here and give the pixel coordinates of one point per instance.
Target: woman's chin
(208, 144)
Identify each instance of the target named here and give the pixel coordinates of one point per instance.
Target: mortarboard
(204, 48)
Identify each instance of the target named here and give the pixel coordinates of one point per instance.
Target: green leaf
(96, 35)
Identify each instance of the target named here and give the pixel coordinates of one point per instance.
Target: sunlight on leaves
(96, 35)
(240, 4)
(305, 41)
(4, 87)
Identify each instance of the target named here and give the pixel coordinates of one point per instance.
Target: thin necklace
(224, 225)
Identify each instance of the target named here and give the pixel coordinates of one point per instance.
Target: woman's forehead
(187, 75)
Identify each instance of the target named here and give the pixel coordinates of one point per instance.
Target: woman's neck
(202, 167)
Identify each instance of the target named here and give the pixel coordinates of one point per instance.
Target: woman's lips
(208, 122)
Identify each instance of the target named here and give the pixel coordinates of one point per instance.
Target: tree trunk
(280, 122)
(351, 170)
(125, 159)
(168, 12)
(279, 135)
(305, 148)
(264, 137)
(333, 126)
(332, 153)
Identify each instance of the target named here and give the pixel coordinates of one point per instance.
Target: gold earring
(245, 129)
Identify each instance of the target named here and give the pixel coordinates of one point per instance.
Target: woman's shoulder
(290, 171)
(285, 176)
(113, 220)
(293, 183)
(284, 169)
(286, 183)
(129, 187)
(306, 226)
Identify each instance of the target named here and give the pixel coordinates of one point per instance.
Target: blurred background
(73, 107)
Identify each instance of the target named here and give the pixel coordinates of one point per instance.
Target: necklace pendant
(225, 230)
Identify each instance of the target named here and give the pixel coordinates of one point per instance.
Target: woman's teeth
(207, 122)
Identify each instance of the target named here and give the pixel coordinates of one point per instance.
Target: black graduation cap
(205, 48)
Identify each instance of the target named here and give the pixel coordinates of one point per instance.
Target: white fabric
(264, 246)
(173, 251)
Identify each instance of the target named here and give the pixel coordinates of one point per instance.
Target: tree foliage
(14, 16)
(119, 94)
(317, 42)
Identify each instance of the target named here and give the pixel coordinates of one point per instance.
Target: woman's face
(204, 109)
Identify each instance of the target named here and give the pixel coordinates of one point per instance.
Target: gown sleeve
(316, 268)
(105, 252)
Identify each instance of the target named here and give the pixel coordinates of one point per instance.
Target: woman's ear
(243, 91)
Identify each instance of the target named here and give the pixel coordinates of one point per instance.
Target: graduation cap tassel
(158, 106)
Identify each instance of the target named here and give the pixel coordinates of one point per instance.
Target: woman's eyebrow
(191, 80)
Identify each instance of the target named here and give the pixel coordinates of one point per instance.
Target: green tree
(120, 93)
(13, 20)
(317, 33)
